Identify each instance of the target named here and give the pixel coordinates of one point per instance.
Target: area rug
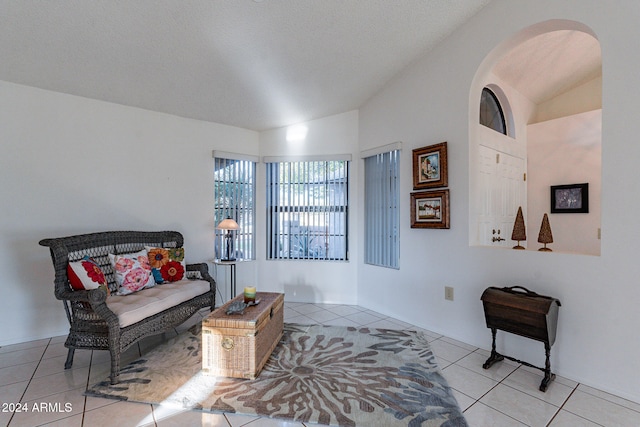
(330, 375)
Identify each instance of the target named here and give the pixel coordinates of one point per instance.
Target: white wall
(429, 103)
(584, 98)
(566, 150)
(64, 171)
(314, 281)
(72, 165)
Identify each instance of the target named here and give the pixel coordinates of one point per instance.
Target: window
(491, 114)
(381, 216)
(234, 198)
(307, 210)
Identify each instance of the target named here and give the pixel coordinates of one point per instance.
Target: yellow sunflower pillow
(167, 264)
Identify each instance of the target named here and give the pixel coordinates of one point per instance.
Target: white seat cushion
(134, 307)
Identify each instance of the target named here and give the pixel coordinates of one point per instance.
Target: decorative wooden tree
(545, 235)
(519, 232)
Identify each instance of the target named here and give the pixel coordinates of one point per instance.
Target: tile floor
(32, 376)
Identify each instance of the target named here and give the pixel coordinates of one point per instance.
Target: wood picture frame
(430, 209)
(430, 167)
(571, 198)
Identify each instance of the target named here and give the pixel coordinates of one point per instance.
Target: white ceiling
(255, 64)
(252, 64)
(550, 64)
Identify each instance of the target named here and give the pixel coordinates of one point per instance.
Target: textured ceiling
(253, 64)
(256, 64)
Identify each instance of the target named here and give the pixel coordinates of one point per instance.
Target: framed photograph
(430, 166)
(572, 198)
(430, 209)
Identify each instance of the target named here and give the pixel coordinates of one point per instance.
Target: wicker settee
(98, 322)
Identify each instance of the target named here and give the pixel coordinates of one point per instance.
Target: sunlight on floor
(504, 395)
(199, 387)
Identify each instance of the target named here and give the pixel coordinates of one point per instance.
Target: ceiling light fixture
(297, 133)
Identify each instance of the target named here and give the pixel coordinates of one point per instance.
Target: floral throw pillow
(132, 272)
(86, 274)
(167, 264)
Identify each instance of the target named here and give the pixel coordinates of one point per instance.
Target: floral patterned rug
(328, 375)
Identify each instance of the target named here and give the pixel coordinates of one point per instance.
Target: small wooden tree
(545, 235)
(519, 232)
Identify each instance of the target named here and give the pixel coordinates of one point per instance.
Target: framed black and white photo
(571, 198)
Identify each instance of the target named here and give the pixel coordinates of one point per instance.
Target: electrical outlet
(448, 293)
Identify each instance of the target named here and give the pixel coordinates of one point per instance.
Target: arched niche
(545, 119)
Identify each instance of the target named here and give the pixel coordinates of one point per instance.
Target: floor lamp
(229, 225)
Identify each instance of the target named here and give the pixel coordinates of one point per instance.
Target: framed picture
(430, 209)
(430, 166)
(572, 198)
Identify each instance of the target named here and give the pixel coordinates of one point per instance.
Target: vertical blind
(235, 198)
(307, 210)
(381, 197)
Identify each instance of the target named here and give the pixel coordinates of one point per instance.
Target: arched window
(491, 114)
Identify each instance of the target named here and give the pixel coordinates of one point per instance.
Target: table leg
(495, 356)
(548, 375)
(233, 281)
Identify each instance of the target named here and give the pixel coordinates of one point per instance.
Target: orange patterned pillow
(167, 264)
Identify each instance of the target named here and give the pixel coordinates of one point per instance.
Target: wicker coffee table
(239, 345)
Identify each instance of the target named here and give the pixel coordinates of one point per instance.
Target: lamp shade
(228, 224)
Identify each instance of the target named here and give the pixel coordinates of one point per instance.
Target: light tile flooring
(32, 376)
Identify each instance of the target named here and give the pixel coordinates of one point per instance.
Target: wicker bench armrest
(199, 271)
(95, 297)
(92, 296)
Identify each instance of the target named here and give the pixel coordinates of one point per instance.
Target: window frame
(382, 200)
(289, 200)
(498, 111)
(240, 179)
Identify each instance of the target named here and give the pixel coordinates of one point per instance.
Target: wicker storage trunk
(238, 346)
